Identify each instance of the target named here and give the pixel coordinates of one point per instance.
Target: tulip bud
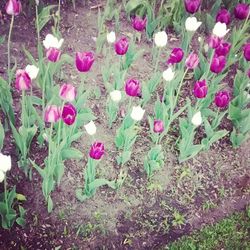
(5, 163)
(84, 61)
(241, 11)
(197, 119)
(192, 24)
(116, 95)
(218, 64)
(97, 150)
(158, 126)
(137, 113)
(69, 114)
(220, 29)
(90, 128)
(139, 23)
(161, 39)
(214, 41)
(222, 99)
(223, 16)
(168, 74)
(52, 114)
(121, 46)
(13, 7)
(200, 89)
(192, 6)
(111, 37)
(223, 49)
(192, 61)
(23, 81)
(53, 54)
(32, 71)
(176, 56)
(2, 176)
(132, 87)
(67, 92)
(247, 51)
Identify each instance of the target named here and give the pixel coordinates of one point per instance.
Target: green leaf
(71, 153)
(50, 205)
(101, 182)
(44, 16)
(2, 135)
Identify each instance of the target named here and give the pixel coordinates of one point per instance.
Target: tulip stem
(59, 15)
(43, 87)
(37, 26)
(210, 63)
(5, 196)
(157, 60)
(50, 144)
(9, 41)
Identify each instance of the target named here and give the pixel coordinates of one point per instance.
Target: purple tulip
(13, 7)
(97, 150)
(158, 126)
(200, 89)
(69, 114)
(223, 49)
(218, 64)
(23, 81)
(132, 87)
(192, 61)
(52, 114)
(241, 11)
(121, 46)
(222, 99)
(139, 23)
(192, 6)
(53, 54)
(67, 92)
(223, 16)
(84, 61)
(176, 56)
(214, 41)
(246, 50)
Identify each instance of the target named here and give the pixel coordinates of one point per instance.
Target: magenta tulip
(241, 11)
(139, 23)
(67, 92)
(84, 61)
(13, 7)
(246, 51)
(132, 87)
(69, 114)
(214, 41)
(158, 126)
(192, 6)
(97, 150)
(218, 64)
(223, 16)
(121, 46)
(176, 56)
(192, 61)
(53, 54)
(23, 81)
(200, 89)
(52, 114)
(223, 49)
(222, 99)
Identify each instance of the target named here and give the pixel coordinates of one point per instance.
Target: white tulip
(192, 24)
(168, 74)
(116, 95)
(161, 39)
(5, 162)
(137, 113)
(197, 119)
(111, 37)
(32, 71)
(52, 42)
(220, 29)
(90, 128)
(2, 176)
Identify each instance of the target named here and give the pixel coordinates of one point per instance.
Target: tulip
(223, 49)
(158, 126)
(214, 41)
(90, 128)
(97, 150)
(192, 6)
(121, 46)
(220, 29)
(132, 87)
(53, 54)
(51, 41)
(176, 56)
(247, 51)
(69, 114)
(2, 176)
(139, 23)
(218, 63)
(223, 16)
(222, 99)
(192, 24)
(116, 95)
(13, 7)
(200, 89)
(23, 81)
(197, 119)
(52, 114)
(32, 71)
(241, 11)
(111, 37)
(137, 113)
(168, 74)
(192, 61)
(161, 39)
(5, 163)
(84, 61)
(67, 92)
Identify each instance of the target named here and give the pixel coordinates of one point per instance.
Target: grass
(231, 233)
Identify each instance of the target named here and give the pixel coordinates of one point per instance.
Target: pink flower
(192, 6)
(200, 89)
(132, 87)
(158, 126)
(223, 49)
(222, 99)
(121, 46)
(176, 56)
(69, 114)
(13, 7)
(84, 61)
(52, 114)
(97, 150)
(246, 51)
(218, 64)
(241, 11)
(223, 16)
(67, 92)
(53, 54)
(214, 41)
(139, 23)
(192, 61)
(23, 81)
